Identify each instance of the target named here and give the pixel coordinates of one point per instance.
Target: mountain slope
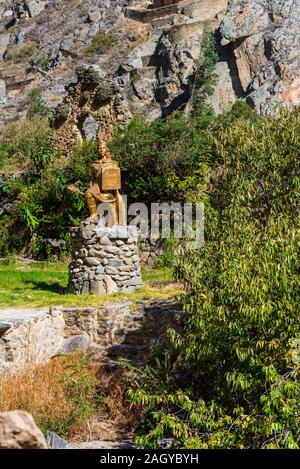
(148, 52)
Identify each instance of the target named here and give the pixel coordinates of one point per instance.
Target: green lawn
(43, 284)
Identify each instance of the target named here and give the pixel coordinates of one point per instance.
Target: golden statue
(105, 185)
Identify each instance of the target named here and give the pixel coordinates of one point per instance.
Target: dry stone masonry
(104, 260)
(28, 337)
(106, 333)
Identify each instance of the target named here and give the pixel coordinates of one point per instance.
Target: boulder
(19, 431)
(4, 41)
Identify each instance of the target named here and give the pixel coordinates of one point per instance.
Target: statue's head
(103, 150)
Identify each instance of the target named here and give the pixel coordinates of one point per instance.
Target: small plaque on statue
(111, 179)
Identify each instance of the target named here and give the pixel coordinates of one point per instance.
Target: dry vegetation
(69, 395)
(102, 43)
(114, 419)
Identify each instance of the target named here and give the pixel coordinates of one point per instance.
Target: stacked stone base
(104, 260)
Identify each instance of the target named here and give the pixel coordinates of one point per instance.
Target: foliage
(203, 85)
(43, 63)
(162, 161)
(167, 259)
(170, 159)
(235, 380)
(36, 104)
(83, 155)
(36, 188)
(19, 140)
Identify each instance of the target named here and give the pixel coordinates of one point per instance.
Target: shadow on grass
(54, 287)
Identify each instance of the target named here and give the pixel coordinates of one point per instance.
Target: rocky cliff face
(146, 54)
(264, 36)
(151, 54)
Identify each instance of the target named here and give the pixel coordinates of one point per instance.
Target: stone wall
(29, 337)
(149, 15)
(107, 333)
(120, 330)
(104, 260)
(164, 3)
(150, 252)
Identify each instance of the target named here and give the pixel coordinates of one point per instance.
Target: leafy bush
(168, 258)
(43, 63)
(19, 140)
(162, 161)
(41, 206)
(235, 380)
(170, 159)
(83, 155)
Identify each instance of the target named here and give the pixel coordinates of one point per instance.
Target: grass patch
(44, 284)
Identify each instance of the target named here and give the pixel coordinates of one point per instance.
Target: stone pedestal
(104, 260)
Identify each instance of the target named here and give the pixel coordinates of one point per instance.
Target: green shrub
(82, 157)
(170, 159)
(168, 258)
(43, 206)
(162, 161)
(4, 154)
(204, 82)
(235, 381)
(36, 104)
(43, 63)
(19, 140)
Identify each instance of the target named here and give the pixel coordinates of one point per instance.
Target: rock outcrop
(158, 75)
(19, 431)
(94, 101)
(264, 36)
(44, 47)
